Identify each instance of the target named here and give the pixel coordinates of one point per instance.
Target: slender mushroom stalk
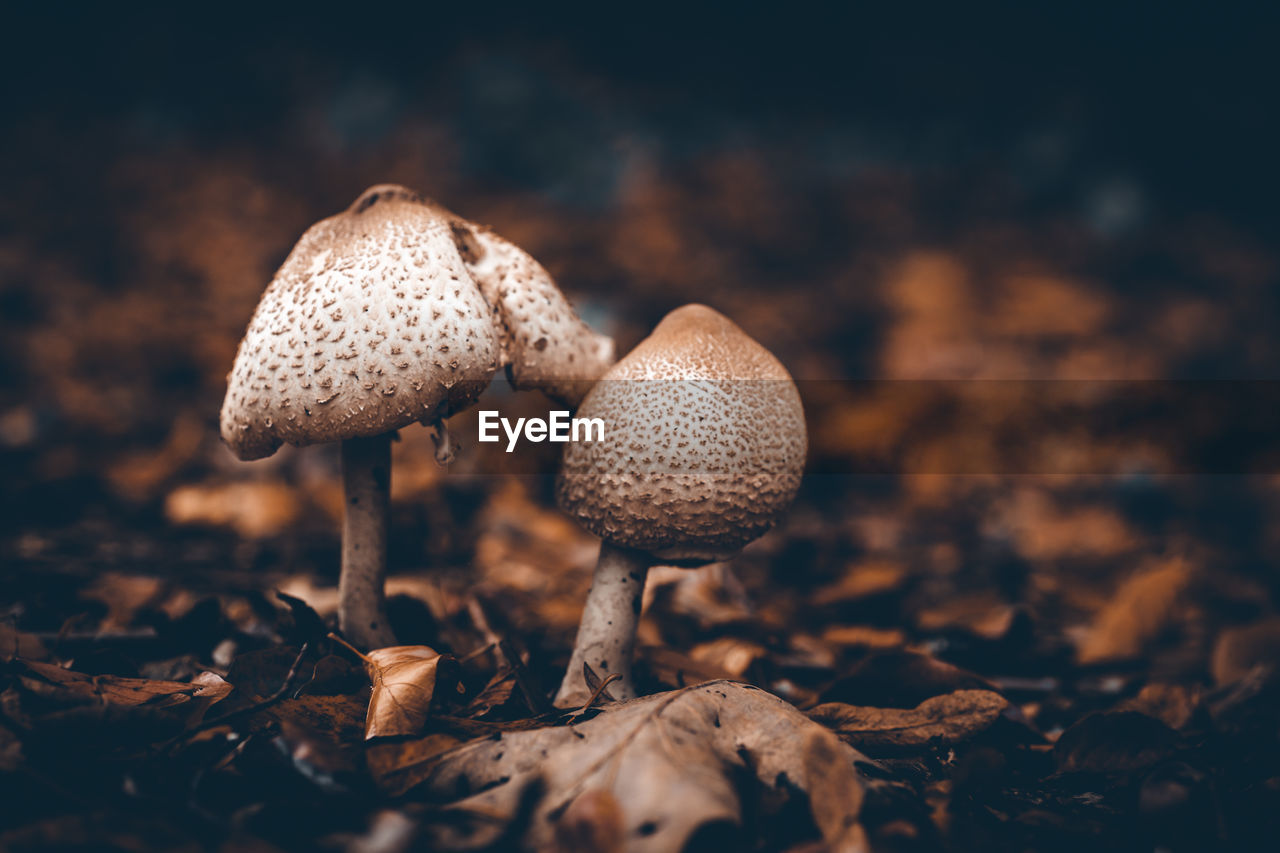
(607, 633)
(376, 320)
(366, 486)
(703, 451)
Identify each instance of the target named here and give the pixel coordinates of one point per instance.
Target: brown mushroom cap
(396, 311)
(704, 443)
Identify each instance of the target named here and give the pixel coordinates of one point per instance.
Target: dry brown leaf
(731, 654)
(863, 580)
(900, 678)
(137, 476)
(124, 595)
(864, 636)
(18, 644)
(254, 510)
(1172, 704)
(982, 614)
(672, 762)
(398, 766)
(675, 668)
(195, 696)
(404, 682)
(710, 595)
(1239, 650)
(1113, 742)
(948, 719)
(1144, 606)
(112, 689)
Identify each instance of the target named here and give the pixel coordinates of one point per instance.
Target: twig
(472, 655)
(601, 689)
(351, 648)
(533, 696)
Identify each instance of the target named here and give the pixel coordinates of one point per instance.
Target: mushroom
(703, 451)
(373, 322)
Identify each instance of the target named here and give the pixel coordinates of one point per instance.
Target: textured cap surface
(376, 320)
(545, 343)
(704, 443)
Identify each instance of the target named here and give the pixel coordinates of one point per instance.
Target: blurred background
(875, 193)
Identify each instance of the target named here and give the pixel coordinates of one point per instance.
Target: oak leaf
(947, 719)
(672, 763)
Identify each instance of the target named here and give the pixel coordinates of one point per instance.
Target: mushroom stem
(366, 481)
(607, 633)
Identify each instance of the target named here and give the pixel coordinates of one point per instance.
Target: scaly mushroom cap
(544, 343)
(378, 318)
(372, 323)
(704, 443)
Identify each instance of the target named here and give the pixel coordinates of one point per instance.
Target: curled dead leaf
(404, 683)
(672, 762)
(948, 719)
(112, 689)
(189, 700)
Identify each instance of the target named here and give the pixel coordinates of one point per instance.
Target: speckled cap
(704, 443)
(379, 318)
(544, 343)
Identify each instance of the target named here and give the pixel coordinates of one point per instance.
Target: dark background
(881, 195)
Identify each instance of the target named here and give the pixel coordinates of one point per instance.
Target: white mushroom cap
(376, 321)
(704, 443)
(545, 344)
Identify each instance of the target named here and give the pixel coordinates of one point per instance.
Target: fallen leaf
(493, 695)
(864, 636)
(252, 509)
(983, 615)
(211, 688)
(900, 679)
(1172, 704)
(404, 682)
(672, 762)
(943, 720)
(863, 580)
(185, 702)
(111, 689)
(731, 654)
(1114, 742)
(1239, 650)
(711, 595)
(18, 644)
(124, 595)
(674, 668)
(1144, 606)
(137, 476)
(399, 766)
